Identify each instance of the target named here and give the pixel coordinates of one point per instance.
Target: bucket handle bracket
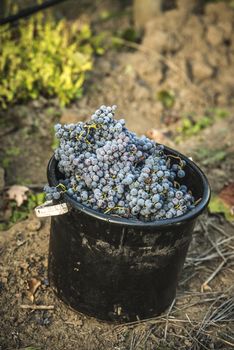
(50, 209)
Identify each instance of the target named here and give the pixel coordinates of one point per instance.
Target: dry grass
(201, 318)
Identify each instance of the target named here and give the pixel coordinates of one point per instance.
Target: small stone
(143, 11)
(34, 225)
(218, 11)
(214, 35)
(155, 38)
(161, 40)
(2, 180)
(226, 28)
(201, 70)
(187, 6)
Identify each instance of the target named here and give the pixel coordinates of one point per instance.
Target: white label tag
(47, 209)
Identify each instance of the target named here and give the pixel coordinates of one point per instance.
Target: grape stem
(63, 187)
(176, 157)
(176, 184)
(109, 209)
(197, 201)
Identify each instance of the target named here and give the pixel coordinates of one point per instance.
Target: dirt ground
(24, 256)
(193, 56)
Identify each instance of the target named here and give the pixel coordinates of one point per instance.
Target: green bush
(44, 57)
(22, 212)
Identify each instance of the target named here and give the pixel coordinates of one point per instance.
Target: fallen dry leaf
(205, 288)
(224, 202)
(33, 285)
(18, 193)
(227, 194)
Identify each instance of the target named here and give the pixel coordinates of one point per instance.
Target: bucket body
(117, 269)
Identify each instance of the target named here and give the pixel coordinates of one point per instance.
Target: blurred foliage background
(44, 56)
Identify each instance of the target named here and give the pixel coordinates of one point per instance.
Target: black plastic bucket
(118, 269)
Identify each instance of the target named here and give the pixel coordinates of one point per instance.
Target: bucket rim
(180, 220)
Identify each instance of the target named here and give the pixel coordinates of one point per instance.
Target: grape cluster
(110, 169)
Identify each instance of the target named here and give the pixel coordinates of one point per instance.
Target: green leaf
(104, 15)
(130, 34)
(6, 162)
(216, 206)
(22, 212)
(13, 151)
(217, 157)
(220, 113)
(45, 57)
(55, 143)
(167, 98)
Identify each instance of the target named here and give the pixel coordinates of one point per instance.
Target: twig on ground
(225, 341)
(132, 341)
(188, 293)
(147, 336)
(136, 340)
(198, 261)
(219, 229)
(37, 307)
(196, 303)
(205, 285)
(214, 244)
(211, 317)
(202, 346)
(225, 240)
(190, 322)
(218, 243)
(188, 278)
(167, 317)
